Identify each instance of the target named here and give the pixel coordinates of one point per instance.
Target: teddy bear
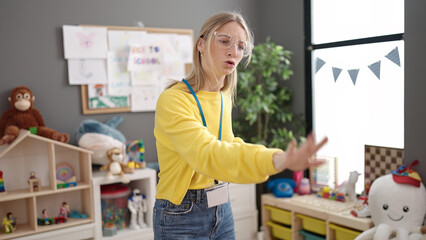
(22, 115)
(116, 165)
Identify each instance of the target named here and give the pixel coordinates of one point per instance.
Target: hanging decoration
(393, 56)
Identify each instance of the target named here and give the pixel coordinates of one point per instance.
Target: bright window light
(338, 20)
(358, 99)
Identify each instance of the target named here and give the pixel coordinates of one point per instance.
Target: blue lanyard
(201, 110)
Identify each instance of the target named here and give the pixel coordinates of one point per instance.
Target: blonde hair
(196, 77)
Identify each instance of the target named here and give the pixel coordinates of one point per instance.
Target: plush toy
(93, 126)
(100, 137)
(22, 115)
(116, 165)
(397, 202)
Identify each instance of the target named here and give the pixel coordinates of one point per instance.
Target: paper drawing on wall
(144, 98)
(87, 71)
(85, 42)
(118, 76)
(120, 41)
(99, 99)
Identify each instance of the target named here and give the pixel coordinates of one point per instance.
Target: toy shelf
(34, 154)
(284, 218)
(143, 179)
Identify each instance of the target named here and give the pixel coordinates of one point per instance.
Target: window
(355, 79)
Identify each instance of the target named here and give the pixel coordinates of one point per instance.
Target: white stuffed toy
(397, 202)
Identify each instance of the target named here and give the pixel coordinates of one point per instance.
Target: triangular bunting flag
(394, 56)
(375, 68)
(336, 73)
(319, 64)
(353, 73)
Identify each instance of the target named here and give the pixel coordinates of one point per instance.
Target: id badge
(217, 195)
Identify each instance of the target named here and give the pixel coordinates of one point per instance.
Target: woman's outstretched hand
(299, 158)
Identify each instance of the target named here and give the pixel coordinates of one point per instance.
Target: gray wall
(31, 54)
(31, 51)
(415, 85)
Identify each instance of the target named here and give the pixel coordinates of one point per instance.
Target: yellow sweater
(190, 155)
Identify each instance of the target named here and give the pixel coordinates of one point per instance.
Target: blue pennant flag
(353, 73)
(375, 68)
(394, 56)
(336, 73)
(319, 64)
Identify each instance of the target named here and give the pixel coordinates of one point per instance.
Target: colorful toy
(22, 115)
(304, 187)
(397, 202)
(9, 223)
(64, 210)
(2, 188)
(136, 153)
(116, 165)
(282, 187)
(114, 199)
(137, 206)
(65, 176)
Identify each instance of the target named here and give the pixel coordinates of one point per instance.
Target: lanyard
(201, 110)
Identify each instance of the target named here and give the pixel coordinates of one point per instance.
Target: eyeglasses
(224, 41)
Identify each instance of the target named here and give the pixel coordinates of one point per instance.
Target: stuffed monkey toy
(22, 115)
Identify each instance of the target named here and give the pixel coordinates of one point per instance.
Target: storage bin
(313, 224)
(342, 233)
(311, 236)
(279, 215)
(114, 205)
(279, 231)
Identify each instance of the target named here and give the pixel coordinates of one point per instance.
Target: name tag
(217, 195)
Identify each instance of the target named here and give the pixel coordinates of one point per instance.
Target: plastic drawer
(279, 215)
(343, 233)
(279, 231)
(313, 224)
(311, 236)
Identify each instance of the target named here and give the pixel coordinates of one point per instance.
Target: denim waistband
(196, 195)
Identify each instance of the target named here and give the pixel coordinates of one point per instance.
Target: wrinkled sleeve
(234, 161)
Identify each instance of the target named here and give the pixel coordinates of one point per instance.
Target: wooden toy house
(30, 154)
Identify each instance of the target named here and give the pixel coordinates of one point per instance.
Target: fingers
(291, 147)
(321, 144)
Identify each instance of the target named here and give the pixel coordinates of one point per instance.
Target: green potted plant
(264, 102)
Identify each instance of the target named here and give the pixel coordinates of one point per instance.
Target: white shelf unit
(143, 179)
(34, 153)
(243, 203)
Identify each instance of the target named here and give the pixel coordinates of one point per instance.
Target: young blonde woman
(197, 151)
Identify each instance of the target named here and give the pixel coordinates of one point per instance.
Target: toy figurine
(45, 216)
(64, 210)
(9, 223)
(34, 182)
(137, 206)
(348, 187)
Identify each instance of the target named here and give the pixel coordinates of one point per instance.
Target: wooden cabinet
(243, 202)
(31, 153)
(142, 179)
(287, 216)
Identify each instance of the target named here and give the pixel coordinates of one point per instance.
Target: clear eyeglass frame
(225, 41)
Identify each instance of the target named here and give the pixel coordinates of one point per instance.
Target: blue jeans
(192, 219)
